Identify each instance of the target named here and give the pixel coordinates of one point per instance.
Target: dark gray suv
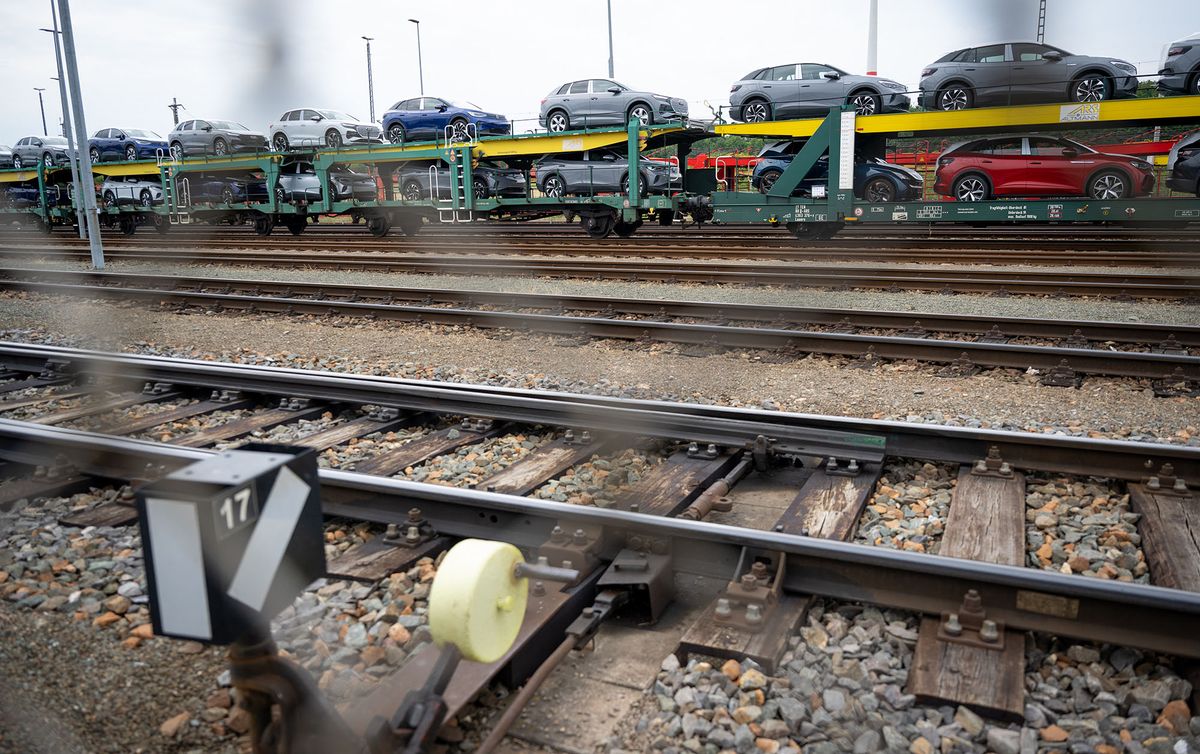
(602, 171)
(1022, 73)
(602, 102)
(799, 89)
(220, 137)
(33, 149)
(1181, 70)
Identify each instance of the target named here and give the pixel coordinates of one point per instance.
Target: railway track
(1132, 251)
(1159, 352)
(711, 456)
(1116, 285)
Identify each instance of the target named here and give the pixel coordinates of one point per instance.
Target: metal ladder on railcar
(457, 212)
(177, 206)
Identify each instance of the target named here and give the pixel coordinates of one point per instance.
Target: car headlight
(1141, 165)
(1125, 67)
(660, 98)
(893, 85)
(474, 114)
(1178, 50)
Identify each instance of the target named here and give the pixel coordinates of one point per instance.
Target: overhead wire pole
(370, 79)
(610, 44)
(175, 110)
(873, 39)
(42, 107)
(72, 154)
(1041, 34)
(85, 166)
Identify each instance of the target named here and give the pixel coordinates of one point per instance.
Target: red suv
(1035, 165)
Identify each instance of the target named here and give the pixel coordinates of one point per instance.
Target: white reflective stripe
(269, 540)
(181, 594)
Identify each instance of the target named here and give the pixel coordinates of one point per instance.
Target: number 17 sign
(231, 540)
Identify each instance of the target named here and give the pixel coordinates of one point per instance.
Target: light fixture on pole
(42, 107)
(370, 79)
(610, 45)
(420, 63)
(175, 109)
(72, 155)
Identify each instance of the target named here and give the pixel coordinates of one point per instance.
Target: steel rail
(1132, 461)
(1135, 615)
(1101, 252)
(969, 354)
(844, 277)
(1187, 336)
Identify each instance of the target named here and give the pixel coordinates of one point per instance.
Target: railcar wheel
(379, 225)
(264, 224)
(625, 230)
(598, 226)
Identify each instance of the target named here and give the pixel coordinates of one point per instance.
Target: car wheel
(1108, 185)
(1195, 88)
(130, 153)
(47, 159)
(176, 151)
(879, 190)
(146, 198)
(333, 139)
(642, 113)
(558, 121)
(480, 188)
(641, 186)
(554, 186)
(395, 133)
(220, 147)
(110, 198)
(94, 155)
(227, 195)
(411, 191)
(864, 103)
(756, 111)
(280, 142)
(1089, 88)
(767, 180)
(459, 131)
(971, 188)
(16, 162)
(954, 97)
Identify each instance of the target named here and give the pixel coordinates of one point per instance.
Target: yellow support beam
(18, 176)
(1072, 115)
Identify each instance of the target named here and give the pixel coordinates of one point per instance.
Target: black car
(26, 195)
(298, 182)
(1184, 164)
(602, 171)
(491, 179)
(874, 179)
(207, 188)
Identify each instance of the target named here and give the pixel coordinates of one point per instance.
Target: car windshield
(1081, 148)
(336, 115)
(54, 140)
(137, 133)
(463, 104)
(227, 125)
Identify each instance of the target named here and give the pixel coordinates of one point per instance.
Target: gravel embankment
(841, 688)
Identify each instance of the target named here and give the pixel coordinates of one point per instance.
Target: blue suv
(127, 144)
(431, 118)
(874, 179)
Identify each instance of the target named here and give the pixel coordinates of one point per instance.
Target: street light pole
(370, 79)
(42, 106)
(72, 154)
(420, 62)
(85, 166)
(610, 45)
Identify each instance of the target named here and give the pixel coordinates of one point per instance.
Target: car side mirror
(1070, 153)
(121, 137)
(832, 75)
(208, 128)
(443, 108)
(1052, 55)
(614, 89)
(609, 157)
(316, 118)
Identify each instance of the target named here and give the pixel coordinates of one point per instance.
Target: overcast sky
(248, 60)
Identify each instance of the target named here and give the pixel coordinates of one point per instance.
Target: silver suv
(603, 102)
(1181, 70)
(313, 127)
(799, 89)
(1023, 73)
(49, 149)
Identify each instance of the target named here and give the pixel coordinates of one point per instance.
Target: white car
(130, 190)
(311, 126)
